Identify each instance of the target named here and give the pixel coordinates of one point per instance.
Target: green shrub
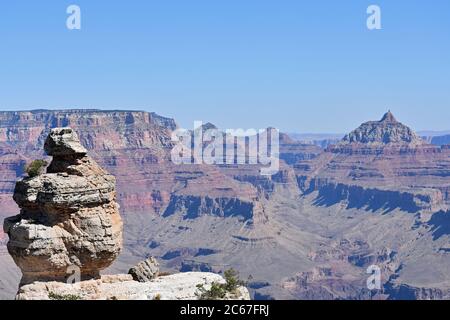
(55, 296)
(232, 280)
(35, 168)
(216, 292)
(219, 290)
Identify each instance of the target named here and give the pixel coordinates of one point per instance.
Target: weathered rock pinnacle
(388, 117)
(386, 131)
(69, 216)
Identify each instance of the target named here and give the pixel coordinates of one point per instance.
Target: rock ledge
(181, 286)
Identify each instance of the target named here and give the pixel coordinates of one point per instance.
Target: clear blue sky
(302, 66)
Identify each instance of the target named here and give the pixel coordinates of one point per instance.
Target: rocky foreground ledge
(181, 286)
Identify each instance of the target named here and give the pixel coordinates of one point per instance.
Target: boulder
(145, 271)
(63, 142)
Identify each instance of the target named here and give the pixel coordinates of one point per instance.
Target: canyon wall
(308, 231)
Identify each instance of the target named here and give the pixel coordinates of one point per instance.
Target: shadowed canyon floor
(309, 232)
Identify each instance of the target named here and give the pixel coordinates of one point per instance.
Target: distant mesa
(387, 131)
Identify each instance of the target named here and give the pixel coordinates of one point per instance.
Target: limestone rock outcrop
(180, 286)
(145, 271)
(69, 216)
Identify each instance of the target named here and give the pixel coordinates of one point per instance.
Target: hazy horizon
(424, 132)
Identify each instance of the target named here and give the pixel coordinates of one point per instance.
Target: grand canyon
(378, 196)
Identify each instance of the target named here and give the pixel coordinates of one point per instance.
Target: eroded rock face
(69, 216)
(380, 165)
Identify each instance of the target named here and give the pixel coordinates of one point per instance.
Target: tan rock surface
(145, 271)
(69, 216)
(181, 286)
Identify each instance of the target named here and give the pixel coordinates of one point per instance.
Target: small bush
(232, 280)
(220, 290)
(55, 296)
(35, 168)
(157, 297)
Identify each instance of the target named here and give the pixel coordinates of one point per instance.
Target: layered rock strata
(69, 216)
(380, 165)
(69, 229)
(145, 271)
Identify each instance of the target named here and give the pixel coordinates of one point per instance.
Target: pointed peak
(388, 117)
(386, 131)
